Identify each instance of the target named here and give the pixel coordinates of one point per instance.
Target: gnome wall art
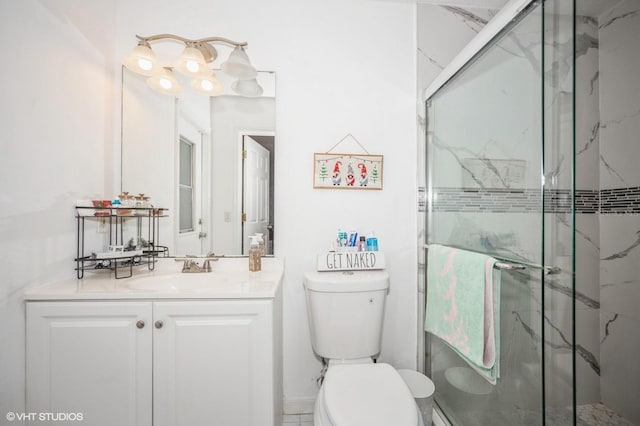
(351, 179)
(349, 171)
(336, 177)
(364, 179)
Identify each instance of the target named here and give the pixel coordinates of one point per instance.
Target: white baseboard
(298, 405)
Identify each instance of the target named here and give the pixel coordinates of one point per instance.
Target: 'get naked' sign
(350, 261)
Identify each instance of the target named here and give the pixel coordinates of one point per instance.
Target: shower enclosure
(513, 162)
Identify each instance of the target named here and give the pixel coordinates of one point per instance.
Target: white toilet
(345, 318)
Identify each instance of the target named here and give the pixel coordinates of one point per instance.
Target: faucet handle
(206, 266)
(211, 256)
(188, 264)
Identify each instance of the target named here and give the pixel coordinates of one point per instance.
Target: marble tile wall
(434, 24)
(587, 237)
(607, 224)
(619, 55)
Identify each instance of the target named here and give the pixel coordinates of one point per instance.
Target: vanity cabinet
(156, 362)
(92, 358)
(213, 363)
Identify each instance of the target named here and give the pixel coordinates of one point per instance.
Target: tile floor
(587, 415)
(600, 415)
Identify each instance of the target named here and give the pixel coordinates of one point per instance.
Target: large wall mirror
(208, 160)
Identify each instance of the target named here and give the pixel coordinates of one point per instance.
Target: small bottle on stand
(362, 244)
(372, 242)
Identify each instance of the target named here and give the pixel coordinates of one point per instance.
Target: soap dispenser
(255, 258)
(263, 248)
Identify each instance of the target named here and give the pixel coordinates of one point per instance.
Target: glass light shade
(142, 60)
(208, 86)
(248, 88)
(193, 64)
(165, 82)
(239, 66)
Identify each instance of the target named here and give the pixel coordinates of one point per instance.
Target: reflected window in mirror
(186, 186)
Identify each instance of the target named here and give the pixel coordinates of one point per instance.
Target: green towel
(463, 306)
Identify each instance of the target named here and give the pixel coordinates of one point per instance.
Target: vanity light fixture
(194, 62)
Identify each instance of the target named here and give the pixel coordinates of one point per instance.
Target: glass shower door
(499, 181)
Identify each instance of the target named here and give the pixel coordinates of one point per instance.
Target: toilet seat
(367, 394)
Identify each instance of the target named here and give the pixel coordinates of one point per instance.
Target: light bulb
(165, 82)
(192, 66)
(145, 64)
(142, 60)
(207, 85)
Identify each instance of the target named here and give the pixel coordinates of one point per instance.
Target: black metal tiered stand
(115, 218)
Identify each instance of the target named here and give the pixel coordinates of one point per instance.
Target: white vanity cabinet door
(92, 358)
(214, 363)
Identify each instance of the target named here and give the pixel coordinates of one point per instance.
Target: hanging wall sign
(347, 171)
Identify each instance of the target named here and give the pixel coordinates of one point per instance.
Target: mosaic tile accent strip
(512, 200)
(606, 201)
(620, 200)
(483, 200)
(587, 201)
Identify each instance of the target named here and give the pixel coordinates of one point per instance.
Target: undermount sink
(179, 282)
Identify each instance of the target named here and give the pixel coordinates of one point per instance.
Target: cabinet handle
(159, 324)
(140, 324)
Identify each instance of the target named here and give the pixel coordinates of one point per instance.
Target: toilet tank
(346, 310)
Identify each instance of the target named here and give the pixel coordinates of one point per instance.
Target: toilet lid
(368, 394)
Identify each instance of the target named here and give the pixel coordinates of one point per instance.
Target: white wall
(342, 67)
(57, 129)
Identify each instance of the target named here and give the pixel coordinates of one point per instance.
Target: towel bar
(510, 265)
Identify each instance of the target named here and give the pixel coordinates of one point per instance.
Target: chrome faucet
(211, 257)
(191, 266)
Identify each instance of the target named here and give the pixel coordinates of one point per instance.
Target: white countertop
(229, 279)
